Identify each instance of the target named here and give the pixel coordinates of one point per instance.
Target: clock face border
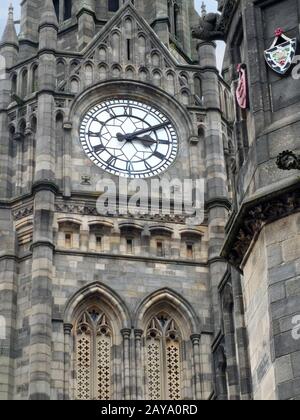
(148, 155)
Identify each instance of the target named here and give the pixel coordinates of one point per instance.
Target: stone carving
(209, 28)
(214, 26)
(288, 160)
(91, 210)
(254, 219)
(22, 212)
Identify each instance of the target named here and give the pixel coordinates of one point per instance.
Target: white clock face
(129, 138)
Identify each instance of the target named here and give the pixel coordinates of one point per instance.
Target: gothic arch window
(34, 81)
(113, 5)
(24, 83)
(93, 355)
(14, 81)
(63, 9)
(163, 348)
(174, 12)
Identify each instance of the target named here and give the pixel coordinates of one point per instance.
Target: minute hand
(146, 130)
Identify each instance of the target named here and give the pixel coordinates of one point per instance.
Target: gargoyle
(209, 28)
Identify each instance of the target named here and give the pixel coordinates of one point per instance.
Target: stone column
(85, 12)
(41, 295)
(217, 192)
(197, 370)
(44, 191)
(67, 360)
(8, 304)
(67, 159)
(138, 335)
(145, 240)
(19, 140)
(176, 245)
(126, 333)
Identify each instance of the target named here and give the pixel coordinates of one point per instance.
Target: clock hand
(147, 141)
(146, 130)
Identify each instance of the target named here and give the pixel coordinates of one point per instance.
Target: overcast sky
(4, 4)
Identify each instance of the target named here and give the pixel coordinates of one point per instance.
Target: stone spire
(10, 35)
(48, 16)
(203, 9)
(48, 28)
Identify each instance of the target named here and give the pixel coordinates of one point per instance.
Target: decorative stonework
(288, 161)
(163, 359)
(23, 212)
(91, 210)
(93, 356)
(252, 218)
(215, 26)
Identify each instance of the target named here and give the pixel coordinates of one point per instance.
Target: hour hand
(121, 137)
(147, 141)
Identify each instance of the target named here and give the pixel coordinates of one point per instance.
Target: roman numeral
(111, 112)
(129, 167)
(98, 121)
(128, 111)
(93, 134)
(159, 155)
(163, 142)
(99, 148)
(111, 161)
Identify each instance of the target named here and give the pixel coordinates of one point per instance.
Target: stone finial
(203, 9)
(48, 16)
(10, 34)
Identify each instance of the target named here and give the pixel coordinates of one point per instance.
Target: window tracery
(163, 359)
(93, 356)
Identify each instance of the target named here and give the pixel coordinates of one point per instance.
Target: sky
(4, 4)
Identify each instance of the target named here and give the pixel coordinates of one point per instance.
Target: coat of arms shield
(281, 54)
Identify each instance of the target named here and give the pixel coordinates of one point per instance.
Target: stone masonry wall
(271, 278)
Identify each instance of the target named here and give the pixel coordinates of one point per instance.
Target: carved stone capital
(126, 333)
(196, 339)
(138, 334)
(68, 329)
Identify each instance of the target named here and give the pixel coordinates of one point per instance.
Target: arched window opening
(163, 358)
(34, 82)
(24, 83)
(113, 5)
(93, 344)
(174, 18)
(67, 9)
(60, 72)
(63, 9)
(56, 7)
(14, 84)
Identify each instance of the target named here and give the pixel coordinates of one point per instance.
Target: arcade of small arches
(101, 336)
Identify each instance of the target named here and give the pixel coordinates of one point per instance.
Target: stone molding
(251, 219)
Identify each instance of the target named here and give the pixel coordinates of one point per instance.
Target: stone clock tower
(114, 306)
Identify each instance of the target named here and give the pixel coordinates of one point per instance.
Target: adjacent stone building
(116, 306)
(262, 235)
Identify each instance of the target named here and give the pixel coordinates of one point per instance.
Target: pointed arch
(168, 323)
(102, 293)
(167, 298)
(98, 316)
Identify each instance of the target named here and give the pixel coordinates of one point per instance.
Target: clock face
(129, 138)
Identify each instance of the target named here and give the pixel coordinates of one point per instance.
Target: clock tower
(119, 305)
